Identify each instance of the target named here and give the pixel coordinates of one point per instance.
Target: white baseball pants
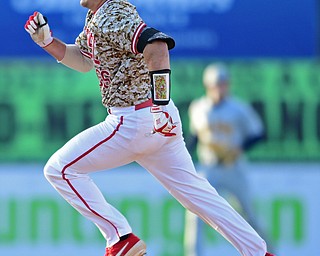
(124, 137)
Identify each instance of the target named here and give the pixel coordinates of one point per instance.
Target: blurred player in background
(222, 128)
(132, 64)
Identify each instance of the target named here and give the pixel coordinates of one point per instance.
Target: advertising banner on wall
(43, 105)
(202, 28)
(36, 221)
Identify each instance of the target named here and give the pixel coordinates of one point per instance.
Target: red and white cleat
(130, 246)
(269, 254)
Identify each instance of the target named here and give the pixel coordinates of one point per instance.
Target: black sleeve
(252, 141)
(149, 35)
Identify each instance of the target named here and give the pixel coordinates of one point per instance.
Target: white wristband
(46, 42)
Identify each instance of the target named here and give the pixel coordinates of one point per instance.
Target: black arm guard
(149, 35)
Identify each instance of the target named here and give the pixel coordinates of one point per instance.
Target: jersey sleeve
(122, 28)
(82, 39)
(197, 119)
(251, 121)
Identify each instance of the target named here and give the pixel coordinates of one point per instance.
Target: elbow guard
(149, 35)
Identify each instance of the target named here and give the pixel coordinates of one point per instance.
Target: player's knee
(50, 172)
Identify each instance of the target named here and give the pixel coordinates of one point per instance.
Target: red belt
(142, 105)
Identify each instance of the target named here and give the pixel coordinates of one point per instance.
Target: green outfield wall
(43, 104)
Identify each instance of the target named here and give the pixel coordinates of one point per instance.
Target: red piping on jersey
(86, 54)
(136, 36)
(79, 158)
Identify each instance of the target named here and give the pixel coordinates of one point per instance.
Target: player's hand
(39, 30)
(162, 121)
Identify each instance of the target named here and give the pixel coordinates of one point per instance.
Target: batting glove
(39, 30)
(162, 121)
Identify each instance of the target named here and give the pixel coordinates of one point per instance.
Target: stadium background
(272, 50)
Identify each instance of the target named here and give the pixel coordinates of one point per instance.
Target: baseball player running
(132, 64)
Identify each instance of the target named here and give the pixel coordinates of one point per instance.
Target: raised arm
(67, 54)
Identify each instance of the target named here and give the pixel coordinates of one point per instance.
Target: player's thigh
(173, 167)
(97, 148)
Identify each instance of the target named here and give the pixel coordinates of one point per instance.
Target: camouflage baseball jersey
(110, 38)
